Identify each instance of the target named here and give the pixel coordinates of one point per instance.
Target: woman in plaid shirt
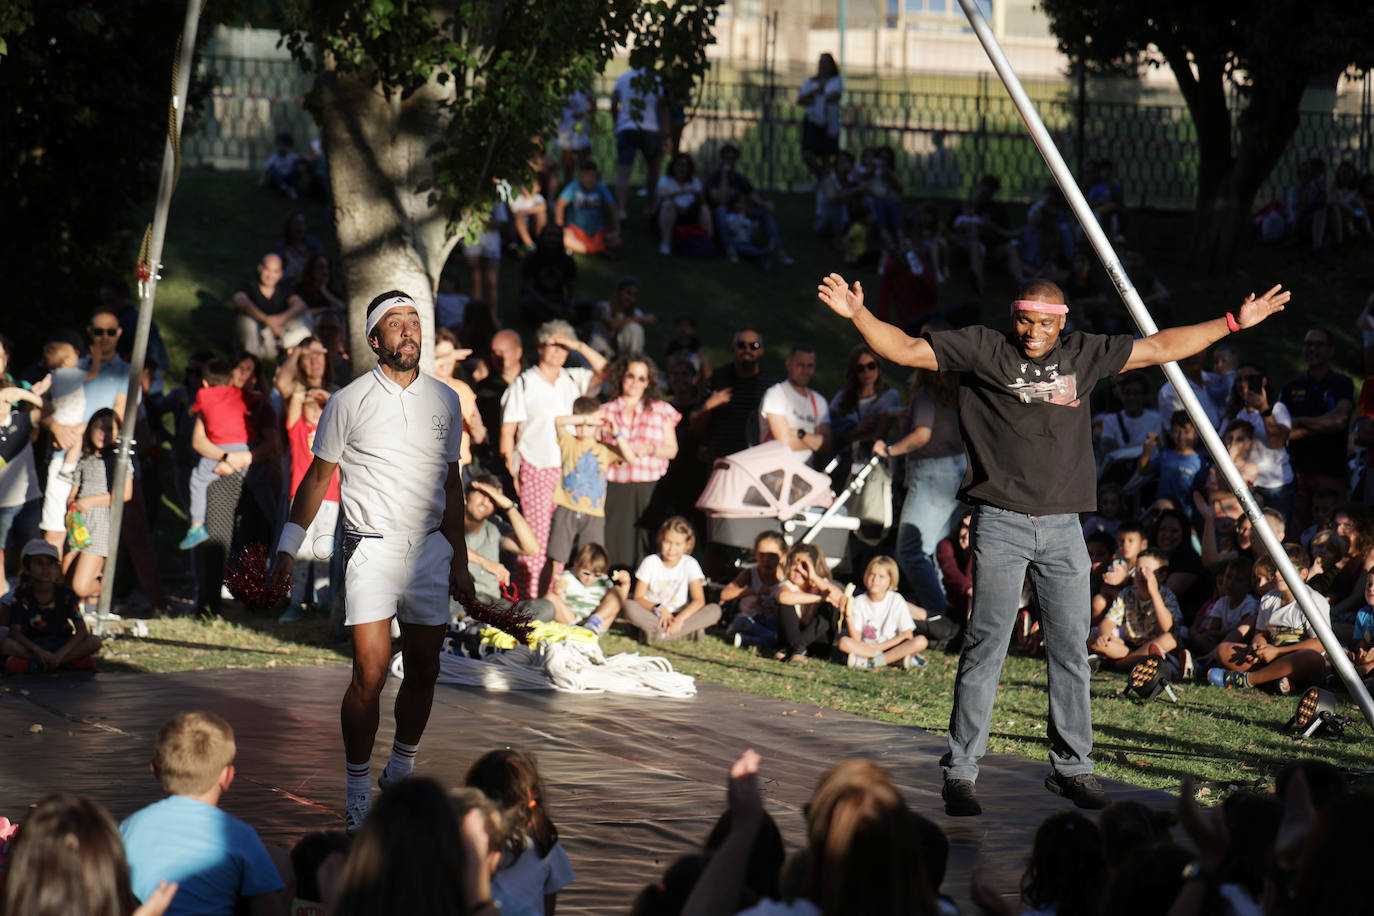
(649, 424)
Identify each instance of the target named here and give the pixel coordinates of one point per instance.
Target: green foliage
(1230, 37)
(506, 67)
(84, 95)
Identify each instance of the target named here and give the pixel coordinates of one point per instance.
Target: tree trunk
(392, 234)
(1266, 126)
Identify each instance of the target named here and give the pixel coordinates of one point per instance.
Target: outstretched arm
(887, 341)
(1173, 344)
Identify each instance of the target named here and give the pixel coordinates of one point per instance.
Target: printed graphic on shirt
(1045, 384)
(440, 426)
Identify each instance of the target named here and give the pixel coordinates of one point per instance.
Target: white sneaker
(858, 661)
(914, 660)
(739, 640)
(355, 812)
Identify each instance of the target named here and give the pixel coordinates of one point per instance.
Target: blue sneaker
(292, 614)
(195, 536)
(1232, 680)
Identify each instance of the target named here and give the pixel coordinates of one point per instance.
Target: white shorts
(398, 576)
(488, 245)
(54, 517)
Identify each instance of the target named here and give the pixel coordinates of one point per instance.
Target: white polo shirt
(393, 446)
(534, 403)
(805, 410)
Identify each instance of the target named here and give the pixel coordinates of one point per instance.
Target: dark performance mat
(633, 782)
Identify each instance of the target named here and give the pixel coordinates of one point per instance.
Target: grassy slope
(221, 223)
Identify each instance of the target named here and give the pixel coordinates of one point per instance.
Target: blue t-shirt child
(214, 857)
(1364, 626)
(586, 209)
(1176, 473)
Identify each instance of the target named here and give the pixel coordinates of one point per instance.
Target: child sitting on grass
(1362, 655)
(1143, 620)
(586, 593)
(670, 599)
(880, 622)
(807, 600)
(217, 861)
(1282, 649)
(1130, 541)
(1226, 614)
(756, 590)
(47, 630)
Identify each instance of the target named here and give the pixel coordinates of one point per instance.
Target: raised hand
(843, 300)
(1254, 310)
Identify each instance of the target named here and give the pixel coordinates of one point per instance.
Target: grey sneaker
(960, 799)
(355, 812)
(1083, 790)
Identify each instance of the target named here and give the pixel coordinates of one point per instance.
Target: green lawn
(221, 223)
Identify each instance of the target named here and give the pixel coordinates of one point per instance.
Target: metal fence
(944, 139)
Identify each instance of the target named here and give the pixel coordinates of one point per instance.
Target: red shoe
(16, 665)
(81, 664)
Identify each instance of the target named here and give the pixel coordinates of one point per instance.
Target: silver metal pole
(147, 288)
(1335, 653)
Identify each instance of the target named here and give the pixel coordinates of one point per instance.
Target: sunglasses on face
(749, 345)
(589, 573)
(867, 367)
(637, 378)
(104, 332)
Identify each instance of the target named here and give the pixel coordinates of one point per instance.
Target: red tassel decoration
(503, 616)
(247, 579)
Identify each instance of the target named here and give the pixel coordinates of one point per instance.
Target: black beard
(397, 360)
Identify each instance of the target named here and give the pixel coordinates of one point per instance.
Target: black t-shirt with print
(1026, 422)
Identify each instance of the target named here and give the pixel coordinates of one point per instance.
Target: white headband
(381, 310)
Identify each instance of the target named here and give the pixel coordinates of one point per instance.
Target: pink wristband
(1231, 323)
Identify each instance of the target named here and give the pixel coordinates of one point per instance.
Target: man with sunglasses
(1026, 424)
(733, 395)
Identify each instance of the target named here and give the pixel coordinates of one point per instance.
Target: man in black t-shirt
(733, 394)
(271, 317)
(1026, 423)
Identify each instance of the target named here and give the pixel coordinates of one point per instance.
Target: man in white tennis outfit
(394, 436)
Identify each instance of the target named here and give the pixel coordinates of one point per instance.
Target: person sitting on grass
(1362, 641)
(756, 591)
(807, 602)
(1282, 649)
(1235, 607)
(584, 209)
(1130, 541)
(217, 861)
(879, 622)
(587, 593)
(670, 598)
(1143, 620)
(47, 630)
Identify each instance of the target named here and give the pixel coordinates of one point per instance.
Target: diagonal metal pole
(181, 75)
(1335, 653)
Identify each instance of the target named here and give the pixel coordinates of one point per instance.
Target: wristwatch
(1196, 871)
(801, 434)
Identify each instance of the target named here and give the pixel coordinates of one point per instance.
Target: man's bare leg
(420, 651)
(360, 710)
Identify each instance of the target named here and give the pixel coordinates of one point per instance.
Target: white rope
(570, 666)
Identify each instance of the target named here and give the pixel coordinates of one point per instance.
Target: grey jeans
(1005, 545)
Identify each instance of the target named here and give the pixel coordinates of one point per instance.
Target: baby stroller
(769, 487)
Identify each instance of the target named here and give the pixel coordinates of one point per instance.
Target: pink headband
(1046, 308)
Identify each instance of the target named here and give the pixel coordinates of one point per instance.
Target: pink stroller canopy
(766, 481)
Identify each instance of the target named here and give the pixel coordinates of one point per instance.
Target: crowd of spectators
(491, 846)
